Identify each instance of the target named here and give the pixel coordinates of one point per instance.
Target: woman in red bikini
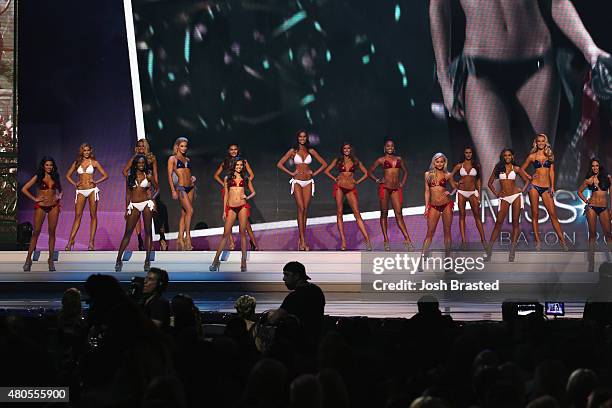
(598, 181)
(468, 191)
(543, 185)
(180, 165)
(86, 190)
(509, 196)
(235, 206)
(438, 202)
(139, 202)
(302, 181)
(345, 185)
(390, 189)
(47, 202)
(233, 151)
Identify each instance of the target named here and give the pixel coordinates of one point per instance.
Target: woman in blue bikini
(183, 191)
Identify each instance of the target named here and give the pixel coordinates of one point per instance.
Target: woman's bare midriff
(234, 197)
(346, 180)
(139, 194)
(599, 199)
(438, 196)
(508, 188)
(303, 172)
(504, 29)
(48, 196)
(184, 177)
(467, 183)
(85, 182)
(541, 177)
(391, 178)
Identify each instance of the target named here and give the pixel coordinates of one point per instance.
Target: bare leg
(399, 218)
(516, 213)
(432, 222)
(461, 203)
(550, 207)
(39, 218)
(299, 203)
(187, 204)
(130, 223)
(604, 219)
(501, 216)
(52, 219)
(251, 235)
(306, 197)
(534, 201)
(180, 243)
(339, 222)
(147, 216)
(93, 214)
(243, 219)
(447, 221)
(351, 198)
(78, 214)
(592, 223)
(475, 205)
(384, 212)
(227, 230)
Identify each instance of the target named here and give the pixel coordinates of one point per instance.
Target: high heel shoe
(253, 246)
(408, 245)
(243, 266)
(27, 266)
(564, 246)
(51, 265)
(538, 246)
(147, 265)
(118, 265)
(368, 246)
(512, 254)
(91, 246)
(387, 246)
(488, 251)
(163, 245)
(214, 267)
(180, 246)
(343, 247)
(69, 246)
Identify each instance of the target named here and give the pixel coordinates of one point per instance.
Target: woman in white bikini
(302, 181)
(86, 190)
(139, 202)
(468, 191)
(509, 195)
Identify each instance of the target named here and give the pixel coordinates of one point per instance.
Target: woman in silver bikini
(507, 56)
(183, 191)
(86, 191)
(509, 196)
(469, 192)
(543, 185)
(302, 181)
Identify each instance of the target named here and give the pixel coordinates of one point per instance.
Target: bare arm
(372, 169)
(363, 169)
(330, 168)
(567, 19)
(283, 160)
(440, 26)
(551, 175)
(171, 164)
(581, 189)
(126, 169)
(451, 180)
(427, 192)
(155, 174)
(405, 173)
(217, 175)
(103, 172)
(26, 189)
(249, 170)
(491, 184)
(69, 174)
(320, 160)
(251, 189)
(225, 197)
(528, 161)
(526, 178)
(455, 170)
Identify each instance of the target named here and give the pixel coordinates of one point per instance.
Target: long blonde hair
(177, 142)
(147, 153)
(432, 167)
(82, 147)
(548, 152)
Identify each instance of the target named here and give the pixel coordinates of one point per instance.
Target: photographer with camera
(156, 306)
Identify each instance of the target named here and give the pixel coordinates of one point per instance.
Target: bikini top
(44, 186)
(509, 176)
(537, 164)
(143, 184)
(232, 183)
(342, 168)
(595, 187)
(181, 165)
(437, 183)
(473, 172)
(388, 165)
(88, 170)
(297, 159)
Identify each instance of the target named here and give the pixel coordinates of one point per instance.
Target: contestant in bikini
(543, 185)
(138, 202)
(507, 57)
(345, 185)
(142, 147)
(46, 202)
(438, 202)
(468, 191)
(302, 181)
(235, 205)
(184, 191)
(233, 151)
(509, 195)
(86, 191)
(598, 182)
(390, 188)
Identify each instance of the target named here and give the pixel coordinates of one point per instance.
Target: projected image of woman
(437, 201)
(139, 203)
(345, 185)
(233, 151)
(180, 165)
(509, 196)
(468, 191)
(507, 57)
(86, 191)
(543, 185)
(390, 189)
(302, 181)
(235, 206)
(46, 203)
(597, 181)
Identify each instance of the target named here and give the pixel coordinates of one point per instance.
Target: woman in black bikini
(438, 202)
(47, 202)
(345, 185)
(543, 185)
(138, 202)
(507, 56)
(235, 205)
(86, 190)
(390, 189)
(509, 196)
(469, 191)
(302, 181)
(184, 191)
(233, 151)
(598, 181)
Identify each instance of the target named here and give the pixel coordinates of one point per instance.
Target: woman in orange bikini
(47, 202)
(86, 190)
(235, 205)
(390, 189)
(345, 185)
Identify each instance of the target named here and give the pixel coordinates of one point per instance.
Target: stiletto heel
(512, 253)
(91, 246)
(343, 247)
(51, 266)
(368, 246)
(214, 267)
(408, 245)
(147, 265)
(564, 246)
(538, 246)
(253, 246)
(387, 246)
(69, 246)
(179, 244)
(118, 265)
(243, 266)
(27, 266)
